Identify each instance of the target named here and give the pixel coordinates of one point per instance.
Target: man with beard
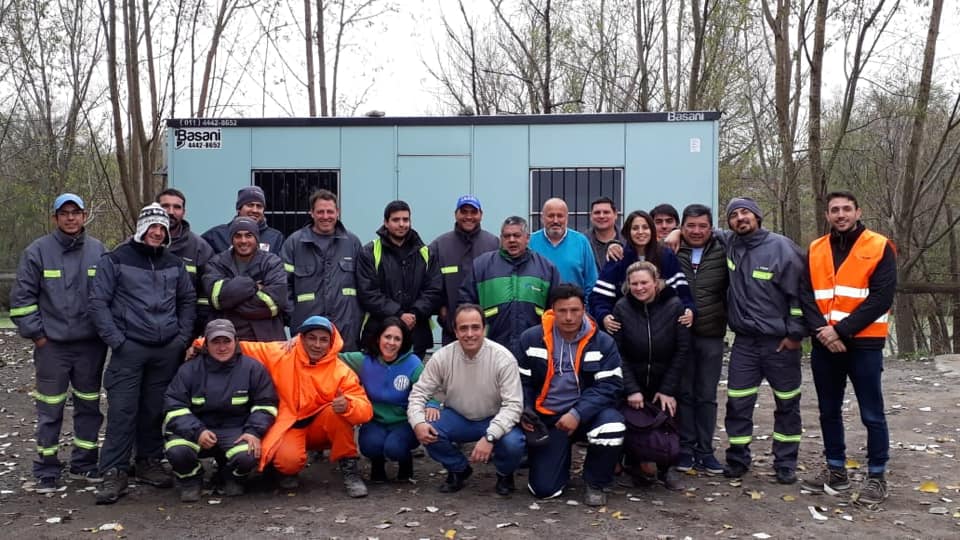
(248, 286)
(397, 277)
(192, 249)
(603, 229)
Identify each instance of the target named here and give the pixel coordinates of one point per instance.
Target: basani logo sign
(197, 138)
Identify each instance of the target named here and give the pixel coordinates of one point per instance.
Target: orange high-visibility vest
(838, 294)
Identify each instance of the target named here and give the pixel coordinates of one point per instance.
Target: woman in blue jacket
(387, 368)
(640, 232)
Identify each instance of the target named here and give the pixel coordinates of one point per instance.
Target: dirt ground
(924, 414)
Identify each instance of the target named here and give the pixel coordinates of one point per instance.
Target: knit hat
(737, 203)
(250, 194)
(244, 224)
(315, 322)
(152, 214)
(220, 328)
(65, 198)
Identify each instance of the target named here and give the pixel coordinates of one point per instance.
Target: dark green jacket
(709, 282)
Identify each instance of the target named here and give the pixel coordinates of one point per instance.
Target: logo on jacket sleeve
(401, 383)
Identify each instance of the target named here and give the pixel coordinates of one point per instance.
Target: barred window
(578, 187)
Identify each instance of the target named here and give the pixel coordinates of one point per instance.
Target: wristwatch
(490, 438)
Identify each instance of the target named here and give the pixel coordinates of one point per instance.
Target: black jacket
(455, 252)
(709, 282)
(208, 394)
(403, 282)
(144, 294)
(195, 252)
(653, 346)
(256, 312)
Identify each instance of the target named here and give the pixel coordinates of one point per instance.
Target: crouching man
(220, 405)
(321, 401)
(483, 403)
(571, 377)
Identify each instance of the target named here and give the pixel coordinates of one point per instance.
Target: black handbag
(652, 435)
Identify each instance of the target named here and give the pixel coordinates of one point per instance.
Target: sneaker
(734, 470)
(350, 469)
(113, 487)
(835, 478)
(231, 486)
(709, 465)
(90, 477)
(190, 492)
(151, 471)
(378, 470)
(684, 463)
(456, 480)
(505, 485)
(874, 491)
(405, 470)
(47, 484)
(288, 482)
(594, 497)
(786, 475)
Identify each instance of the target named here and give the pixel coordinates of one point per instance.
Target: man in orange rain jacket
(321, 400)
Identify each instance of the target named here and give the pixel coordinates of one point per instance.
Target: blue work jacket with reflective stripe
(255, 299)
(49, 296)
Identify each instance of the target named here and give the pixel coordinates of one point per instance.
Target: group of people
(548, 338)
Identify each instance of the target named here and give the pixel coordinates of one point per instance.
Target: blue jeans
(830, 373)
(393, 441)
(452, 428)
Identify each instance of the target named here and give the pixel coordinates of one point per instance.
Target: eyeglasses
(70, 213)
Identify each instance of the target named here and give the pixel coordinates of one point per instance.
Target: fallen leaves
(929, 487)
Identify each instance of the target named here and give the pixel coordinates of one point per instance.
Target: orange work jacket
(839, 293)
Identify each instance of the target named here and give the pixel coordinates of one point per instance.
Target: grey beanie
(244, 224)
(250, 194)
(152, 214)
(737, 203)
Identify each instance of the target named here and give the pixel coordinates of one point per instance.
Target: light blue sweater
(573, 257)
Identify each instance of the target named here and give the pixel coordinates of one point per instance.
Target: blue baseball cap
(315, 322)
(468, 199)
(67, 198)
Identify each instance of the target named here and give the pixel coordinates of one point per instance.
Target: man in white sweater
(483, 402)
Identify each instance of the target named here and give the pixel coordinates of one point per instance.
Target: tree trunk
(905, 221)
(322, 60)
(818, 178)
(308, 45)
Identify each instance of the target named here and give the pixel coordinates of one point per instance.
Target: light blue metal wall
(430, 166)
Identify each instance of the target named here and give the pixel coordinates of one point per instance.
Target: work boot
(874, 491)
(734, 470)
(378, 470)
(786, 475)
(47, 484)
(350, 469)
(190, 490)
(834, 477)
(594, 497)
(151, 471)
(505, 484)
(405, 470)
(231, 486)
(456, 480)
(288, 481)
(113, 487)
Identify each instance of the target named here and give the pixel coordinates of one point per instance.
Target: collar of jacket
(70, 241)
(411, 241)
(548, 320)
(514, 260)
(754, 239)
(464, 235)
(212, 364)
(397, 361)
(145, 250)
(843, 241)
(183, 233)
